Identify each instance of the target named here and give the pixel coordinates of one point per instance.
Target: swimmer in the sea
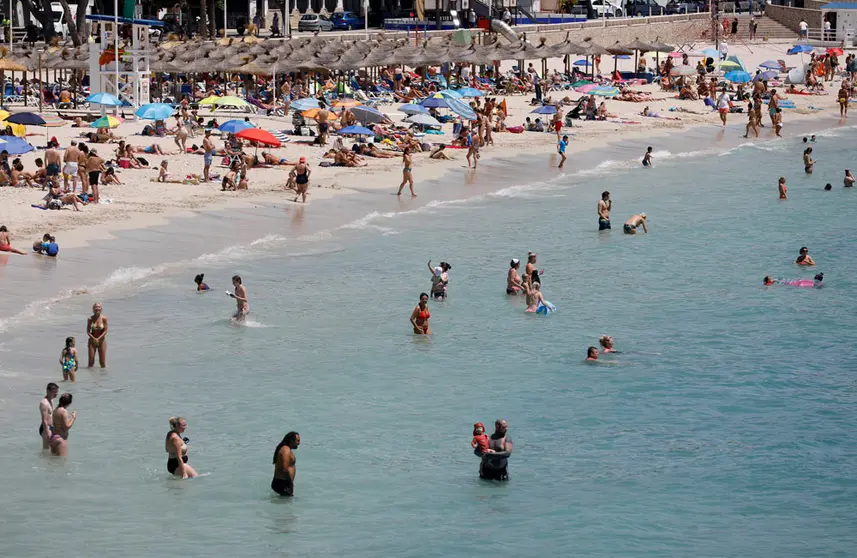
(768, 281)
(46, 410)
(534, 296)
(808, 162)
(604, 207)
(62, 422)
(176, 447)
(532, 274)
(513, 279)
(635, 221)
(240, 296)
(96, 329)
(804, 258)
(607, 344)
(849, 179)
(781, 187)
(200, 286)
(439, 279)
(285, 462)
(420, 316)
(647, 158)
(828, 186)
(592, 353)
(68, 360)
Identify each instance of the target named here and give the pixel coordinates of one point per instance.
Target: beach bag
(515, 129)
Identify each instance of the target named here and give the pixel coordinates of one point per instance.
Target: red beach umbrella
(837, 51)
(259, 135)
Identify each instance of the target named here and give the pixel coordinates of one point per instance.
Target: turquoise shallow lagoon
(726, 428)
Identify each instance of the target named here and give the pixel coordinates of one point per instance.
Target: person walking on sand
(53, 161)
(285, 463)
(472, 149)
(207, 155)
(181, 135)
(723, 105)
(778, 122)
(751, 121)
(605, 204)
(560, 148)
(773, 105)
(781, 187)
(843, 100)
(70, 170)
(46, 410)
(96, 329)
(407, 172)
(301, 180)
(6, 242)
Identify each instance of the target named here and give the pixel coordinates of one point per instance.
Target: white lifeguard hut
(126, 76)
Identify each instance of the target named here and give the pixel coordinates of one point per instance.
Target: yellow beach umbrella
(728, 64)
(227, 101)
(106, 122)
(345, 103)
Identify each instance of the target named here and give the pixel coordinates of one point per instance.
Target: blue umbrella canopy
(15, 146)
(799, 49)
(155, 111)
(468, 92)
(356, 131)
(546, 109)
(413, 109)
(622, 57)
(461, 109)
(450, 93)
(711, 53)
(304, 104)
(765, 76)
(738, 76)
(582, 62)
(604, 92)
(234, 126)
(26, 119)
(435, 102)
(104, 99)
(771, 65)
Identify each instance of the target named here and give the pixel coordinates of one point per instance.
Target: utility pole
(715, 23)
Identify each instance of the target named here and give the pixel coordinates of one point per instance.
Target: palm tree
(203, 18)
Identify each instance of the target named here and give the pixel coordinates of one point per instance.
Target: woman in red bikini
(6, 243)
(420, 316)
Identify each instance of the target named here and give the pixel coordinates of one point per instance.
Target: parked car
(346, 21)
(642, 8)
(602, 8)
(314, 22)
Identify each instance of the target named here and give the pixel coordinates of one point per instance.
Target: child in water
(68, 360)
(200, 286)
(480, 440)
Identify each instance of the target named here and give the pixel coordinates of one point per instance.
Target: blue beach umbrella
(546, 109)
(622, 57)
(711, 53)
(605, 91)
(356, 131)
(450, 93)
(435, 101)
(104, 99)
(582, 62)
(469, 92)
(799, 49)
(15, 146)
(771, 65)
(738, 76)
(155, 111)
(304, 104)
(413, 109)
(26, 119)
(765, 76)
(461, 109)
(234, 126)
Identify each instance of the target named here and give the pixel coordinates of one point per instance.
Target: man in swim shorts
(208, 155)
(46, 410)
(495, 464)
(52, 163)
(285, 465)
(635, 221)
(70, 169)
(604, 207)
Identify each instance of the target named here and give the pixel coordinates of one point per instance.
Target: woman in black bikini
(96, 329)
(176, 446)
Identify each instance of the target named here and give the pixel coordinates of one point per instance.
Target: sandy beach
(142, 202)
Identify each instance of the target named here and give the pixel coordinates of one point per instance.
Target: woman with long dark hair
(284, 465)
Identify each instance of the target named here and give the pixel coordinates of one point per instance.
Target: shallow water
(726, 428)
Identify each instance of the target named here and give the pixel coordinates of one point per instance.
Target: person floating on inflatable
(536, 300)
(815, 282)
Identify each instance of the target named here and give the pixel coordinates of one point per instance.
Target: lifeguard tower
(127, 78)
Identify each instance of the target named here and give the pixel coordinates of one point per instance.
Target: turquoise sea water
(726, 428)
